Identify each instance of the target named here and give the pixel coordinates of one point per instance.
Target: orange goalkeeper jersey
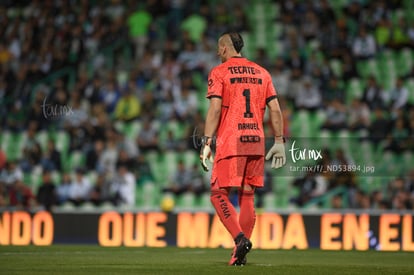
(245, 88)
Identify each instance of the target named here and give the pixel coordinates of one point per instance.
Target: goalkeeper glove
(205, 152)
(277, 153)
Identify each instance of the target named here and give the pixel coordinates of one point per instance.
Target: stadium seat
(42, 137)
(87, 207)
(336, 67)
(150, 196)
(354, 89)
(62, 141)
(185, 201)
(204, 202)
(269, 201)
(131, 129)
(168, 166)
(106, 206)
(56, 177)
(76, 159)
(13, 144)
(403, 61)
(190, 158)
(156, 166)
(67, 206)
(282, 191)
(36, 178)
(409, 83)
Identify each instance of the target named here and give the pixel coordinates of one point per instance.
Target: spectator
(180, 181)
(295, 85)
(190, 58)
(64, 188)
(239, 20)
(306, 185)
(110, 95)
(143, 170)
(125, 159)
(398, 96)
(100, 191)
(343, 178)
(333, 91)
(109, 156)
(340, 45)
(32, 152)
(364, 46)
(221, 19)
(280, 76)
(348, 68)
(295, 60)
(379, 127)
(309, 26)
(123, 187)
(172, 143)
(51, 159)
(195, 24)
(397, 139)
(11, 172)
(337, 202)
(362, 200)
(377, 198)
(383, 33)
(138, 23)
(3, 161)
(373, 95)
(336, 115)
(46, 194)
(399, 35)
(359, 116)
(309, 97)
(4, 200)
(79, 111)
(93, 156)
(410, 33)
(128, 107)
(147, 139)
(79, 188)
(197, 184)
(185, 103)
(20, 195)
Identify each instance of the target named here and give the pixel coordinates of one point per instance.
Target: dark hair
(236, 39)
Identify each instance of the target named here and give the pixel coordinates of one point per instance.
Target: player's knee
(247, 188)
(218, 193)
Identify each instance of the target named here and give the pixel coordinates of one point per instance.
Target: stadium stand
(65, 64)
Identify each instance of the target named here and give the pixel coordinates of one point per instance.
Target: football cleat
(243, 246)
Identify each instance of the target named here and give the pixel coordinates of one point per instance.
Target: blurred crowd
(156, 69)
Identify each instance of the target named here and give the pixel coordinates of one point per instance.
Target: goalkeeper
(239, 91)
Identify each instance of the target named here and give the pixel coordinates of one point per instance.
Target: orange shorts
(237, 171)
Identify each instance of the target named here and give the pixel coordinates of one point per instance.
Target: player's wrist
(280, 139)
(206, 140)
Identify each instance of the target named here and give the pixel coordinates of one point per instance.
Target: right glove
(277, 153)
(205, 153)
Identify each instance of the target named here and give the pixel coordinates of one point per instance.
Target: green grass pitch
(84, 259)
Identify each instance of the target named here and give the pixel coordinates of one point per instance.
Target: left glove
(277, 153)
(205, 152)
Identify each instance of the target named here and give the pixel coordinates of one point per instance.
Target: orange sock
(247, 217)
(225, 210)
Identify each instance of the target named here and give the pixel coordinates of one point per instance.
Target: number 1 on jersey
(247, 114)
